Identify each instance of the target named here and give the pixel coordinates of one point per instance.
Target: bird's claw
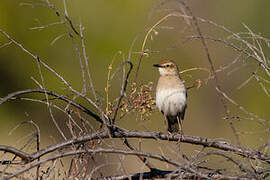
(181, 135)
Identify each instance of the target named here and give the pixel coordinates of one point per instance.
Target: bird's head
(167, 67)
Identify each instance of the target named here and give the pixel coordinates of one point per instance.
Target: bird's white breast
(171, 101)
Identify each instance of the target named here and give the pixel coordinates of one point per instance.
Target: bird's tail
(175, 124)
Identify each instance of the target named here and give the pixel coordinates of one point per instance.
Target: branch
(96, 151)
(157, 173)
(143, 160)
(120, 133)
(154, 173)
(24, 156)
(123, 89)
(185, 170)
(77, 105)
(46, 66)
(212, 67)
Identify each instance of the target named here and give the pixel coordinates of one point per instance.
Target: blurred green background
(111, 26)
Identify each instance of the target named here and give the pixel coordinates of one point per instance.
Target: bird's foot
(181, 135)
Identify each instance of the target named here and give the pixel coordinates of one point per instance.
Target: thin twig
(212, 67)
(123, 90)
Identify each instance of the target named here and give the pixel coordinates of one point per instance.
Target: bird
(171, 95)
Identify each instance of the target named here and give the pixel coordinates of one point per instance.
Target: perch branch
(120, 133)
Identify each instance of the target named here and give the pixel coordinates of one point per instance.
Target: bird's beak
(157, 65)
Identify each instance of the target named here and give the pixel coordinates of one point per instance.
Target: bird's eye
(167, 65)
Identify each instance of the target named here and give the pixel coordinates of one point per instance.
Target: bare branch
(28, 91)
(123, 89)
(57, 75)
(24, 156)
(120, 133)
(212, 67)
